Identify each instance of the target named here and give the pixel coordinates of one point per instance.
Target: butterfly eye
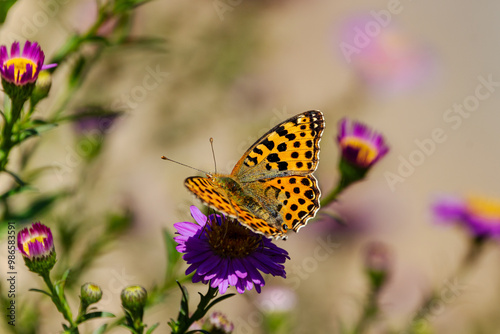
(284, 226)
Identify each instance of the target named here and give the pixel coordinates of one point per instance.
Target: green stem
(10, 121)
(370, 311)
(200, 311)
(470, 258)
(332, 196)
(59, 304)
(161, 294)
(76, 41)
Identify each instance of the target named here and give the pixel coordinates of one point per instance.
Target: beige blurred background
(232, 71)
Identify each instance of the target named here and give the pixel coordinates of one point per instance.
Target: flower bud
(42, 87)
(378, 264)
(360, 147)
(134, 299)
(90, 293)
(218, 323)
(37, 247)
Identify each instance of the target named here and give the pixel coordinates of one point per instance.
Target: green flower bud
(42, 87)
(90, 293)
(134, 299)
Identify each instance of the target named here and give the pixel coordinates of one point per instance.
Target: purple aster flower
(37, 247)
(360, 146)
(22, 67)
(224, 253)
(479, 215)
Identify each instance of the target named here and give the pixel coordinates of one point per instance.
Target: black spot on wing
(282, 147)
(258, 151)
(273, 157)
(267, 143)
(283, 165)
(281, 131)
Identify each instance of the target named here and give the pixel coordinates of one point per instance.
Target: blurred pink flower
(279, 299)
(385, 58)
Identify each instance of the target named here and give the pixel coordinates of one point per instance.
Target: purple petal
(239, 269)
(213, 262)
(48, 66)
(187, 228)
(199, 217)
(448, 209)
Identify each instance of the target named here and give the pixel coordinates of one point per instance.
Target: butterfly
(271, 189)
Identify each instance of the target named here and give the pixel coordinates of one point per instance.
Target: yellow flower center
(488, 208)
(366, 151)
(32, 240)
(20, 66)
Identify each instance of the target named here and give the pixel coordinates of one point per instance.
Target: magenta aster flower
(360, 146)
(479, 215)
(225, 253)
(23, 67)
(37, 247)
(20, 69)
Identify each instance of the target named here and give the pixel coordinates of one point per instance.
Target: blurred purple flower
(21, 68)
(384, 57)
(224, 253)
(479, 215)
(98, 124)
(360, 145)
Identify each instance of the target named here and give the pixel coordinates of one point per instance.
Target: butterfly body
(271, 189)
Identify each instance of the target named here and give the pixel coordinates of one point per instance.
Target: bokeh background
(233, 69)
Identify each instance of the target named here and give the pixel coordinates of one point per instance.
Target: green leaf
(35, 131)
(218, 300)
(198, 331)
(122, 6)
(41, 291)
(101, 329)
(4, 9)
(99, 314)
(35, 208)
(16, 190)
(173, 255)
(184, 311)
(16, 177)
(130, 328)
(152, 328)
(90, 111)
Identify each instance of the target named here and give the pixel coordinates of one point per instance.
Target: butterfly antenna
(213, 153)
(180, 163)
